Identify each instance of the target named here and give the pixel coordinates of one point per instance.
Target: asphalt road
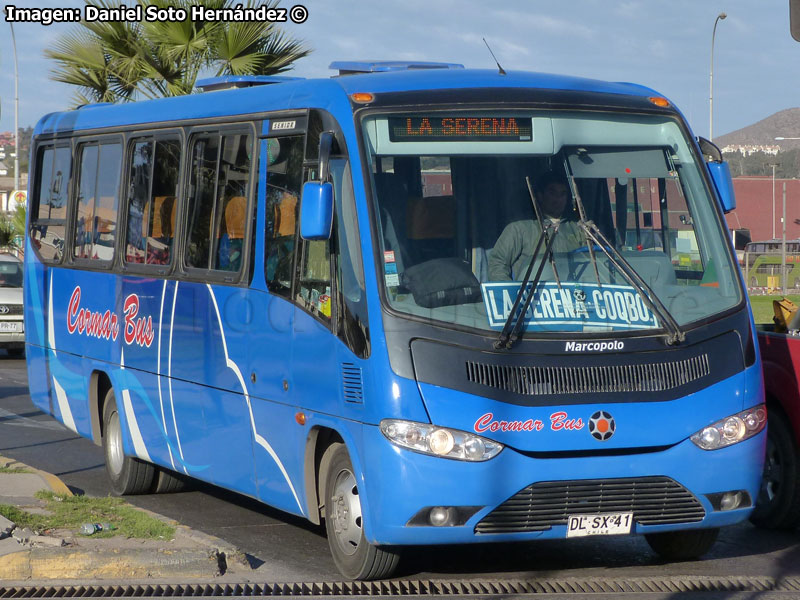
(281, 547)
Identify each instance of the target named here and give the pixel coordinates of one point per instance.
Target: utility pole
(783, 242)
(773, 165)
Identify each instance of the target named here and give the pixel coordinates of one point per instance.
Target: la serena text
(464, 126)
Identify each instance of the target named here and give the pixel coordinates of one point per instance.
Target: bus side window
(284, 179)
(219, 184)
(351, 301)
(152, 202)
(98, 195)
(48, 218)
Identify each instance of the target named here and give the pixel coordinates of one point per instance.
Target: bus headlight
(439, 441)
(733, 429)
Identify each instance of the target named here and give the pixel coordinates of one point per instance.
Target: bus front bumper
(402, 486)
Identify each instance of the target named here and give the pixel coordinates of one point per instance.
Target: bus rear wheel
(127, 475)
(354, 556)
(682, 545)
(168, 482)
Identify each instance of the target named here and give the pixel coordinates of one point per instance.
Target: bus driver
(514, 248)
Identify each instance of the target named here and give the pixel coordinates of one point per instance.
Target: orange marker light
(659, 101)
(300, 418)
(362, 97)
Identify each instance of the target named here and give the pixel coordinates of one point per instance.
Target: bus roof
(331, 94)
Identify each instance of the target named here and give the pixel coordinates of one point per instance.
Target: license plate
(10, 326)
(602, 524)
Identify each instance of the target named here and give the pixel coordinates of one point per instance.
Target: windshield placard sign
(570, 306)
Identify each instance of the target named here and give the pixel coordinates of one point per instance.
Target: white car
(12, 330)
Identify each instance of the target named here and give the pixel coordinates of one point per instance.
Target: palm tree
(123, 61)
(7, 233)
(18, 220)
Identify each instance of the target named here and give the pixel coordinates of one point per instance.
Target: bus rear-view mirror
(721, 176)
(720, 173)
(316, 210)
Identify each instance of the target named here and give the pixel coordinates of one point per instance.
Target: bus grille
(535, 381)
(10, 309)
(652, 500)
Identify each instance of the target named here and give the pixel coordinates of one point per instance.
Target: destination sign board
(570, 306)
(461, 128)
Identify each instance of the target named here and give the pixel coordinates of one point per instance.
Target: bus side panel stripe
(158, 373)
(259, 439)
(169, 376)
(63, 405)
(133, 425)
(61, 395)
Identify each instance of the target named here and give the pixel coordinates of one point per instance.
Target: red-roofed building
(754, 209)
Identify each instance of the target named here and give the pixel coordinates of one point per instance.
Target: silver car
(12, 331)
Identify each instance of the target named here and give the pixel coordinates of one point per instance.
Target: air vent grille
(535, 381)
(352, 383)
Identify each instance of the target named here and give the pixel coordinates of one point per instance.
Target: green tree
(123, 61)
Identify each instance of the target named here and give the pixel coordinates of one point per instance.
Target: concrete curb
(75, 563)
(52, 481)
(190, 555)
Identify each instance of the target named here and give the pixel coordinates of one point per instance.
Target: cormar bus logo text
(601, 424)
(105, 325)
(594, 346)
(559, 421)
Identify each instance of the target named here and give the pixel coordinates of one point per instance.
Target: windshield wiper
(595, 236)
(510, 334)
(539, 218)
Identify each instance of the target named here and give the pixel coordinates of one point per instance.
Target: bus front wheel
(354, 556)
(682, 545)
(127, 475)
(778, 503)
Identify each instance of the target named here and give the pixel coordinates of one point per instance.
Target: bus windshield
(461, 200)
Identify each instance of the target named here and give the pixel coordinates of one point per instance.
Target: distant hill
(784, 123)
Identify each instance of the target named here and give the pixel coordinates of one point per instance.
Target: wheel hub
(346, 509)
(773, 475)
(116, 454)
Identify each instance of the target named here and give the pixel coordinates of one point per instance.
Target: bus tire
(682, 545)
(168, 482)
(353, 555)
(127, 475)
(778, 502)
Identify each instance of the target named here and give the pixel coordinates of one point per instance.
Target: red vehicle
(778, 505)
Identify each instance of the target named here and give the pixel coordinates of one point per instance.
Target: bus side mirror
(720, 173)
(721, 176)
(316, 210)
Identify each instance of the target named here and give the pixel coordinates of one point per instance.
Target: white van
(12, 331)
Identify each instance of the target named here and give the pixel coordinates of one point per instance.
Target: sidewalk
(66, 555)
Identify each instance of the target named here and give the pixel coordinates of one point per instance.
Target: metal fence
(763, 274)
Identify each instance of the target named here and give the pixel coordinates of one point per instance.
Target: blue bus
(353, 299)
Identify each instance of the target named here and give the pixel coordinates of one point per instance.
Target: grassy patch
(14, 470)
(762, 307)
(69, 512)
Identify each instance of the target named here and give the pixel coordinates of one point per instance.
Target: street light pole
(16, 111)
(720, 17)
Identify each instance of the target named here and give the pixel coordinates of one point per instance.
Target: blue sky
(664, 45)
